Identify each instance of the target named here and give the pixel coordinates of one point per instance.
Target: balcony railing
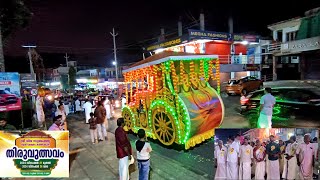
(274, 47)
(240, 59)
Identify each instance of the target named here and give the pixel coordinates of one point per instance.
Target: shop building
(295, 48)
(237, 52)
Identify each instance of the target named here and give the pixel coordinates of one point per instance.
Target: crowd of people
(266, 160)
(97, 116)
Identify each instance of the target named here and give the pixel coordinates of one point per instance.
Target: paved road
(233, 119)
(196, 163)
(201, 157)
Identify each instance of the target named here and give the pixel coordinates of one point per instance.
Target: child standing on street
(143, 155)
(93, 128)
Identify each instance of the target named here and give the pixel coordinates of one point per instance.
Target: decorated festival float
(171, 96)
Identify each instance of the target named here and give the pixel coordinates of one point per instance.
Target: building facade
(232, 50)
(295, 49)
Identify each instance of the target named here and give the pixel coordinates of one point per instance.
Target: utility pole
(113, 34)
(67, 57)
(30, 57)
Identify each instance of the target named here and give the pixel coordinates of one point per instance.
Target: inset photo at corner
(277, 153)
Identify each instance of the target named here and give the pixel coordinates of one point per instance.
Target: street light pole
(113, 34)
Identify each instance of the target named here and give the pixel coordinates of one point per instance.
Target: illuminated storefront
(237, 53)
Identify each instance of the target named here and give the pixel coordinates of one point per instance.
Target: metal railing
(239, 59)
(274, 47)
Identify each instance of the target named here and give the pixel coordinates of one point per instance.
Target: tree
(64, 82)
(13, 15)
(72, 77)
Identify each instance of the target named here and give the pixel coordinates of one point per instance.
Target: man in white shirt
(78, 106)
(232, 159)
(123, 101)
(66, 104)
(220, 156)
(245, 160)
(290, 161)
(267, 103)
(316, 155)
(305, 158)
(238, 140)
(107, 106)
(87, 109)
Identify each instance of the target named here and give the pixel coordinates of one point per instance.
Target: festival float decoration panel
(172, 98)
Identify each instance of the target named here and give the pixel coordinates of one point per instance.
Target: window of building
(279, 34)
(291, 36)
(284, 60)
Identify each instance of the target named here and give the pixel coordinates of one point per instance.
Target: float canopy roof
(166, 56)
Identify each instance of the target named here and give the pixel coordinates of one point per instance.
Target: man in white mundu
(40, 112)
(316, 155)
(259, 154)
(232, 159)
(305, 158)
(220, 156)
(290, 161)
(273, 151)
(87, 106)
(245, 160)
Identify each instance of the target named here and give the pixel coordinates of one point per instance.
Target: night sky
(81, 28)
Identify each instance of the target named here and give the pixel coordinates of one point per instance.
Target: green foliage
(13, 15)
(64, 81)
(72, 77)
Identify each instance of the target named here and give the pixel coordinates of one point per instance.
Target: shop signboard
(36, 154)
(243, 37)
(10, 97)
(198, 34)
(251, 67)
(168, 43)
(309, 44)
(28, 81)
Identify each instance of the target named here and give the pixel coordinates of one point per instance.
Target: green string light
(169, 83)
(161, 103)
(131, 114)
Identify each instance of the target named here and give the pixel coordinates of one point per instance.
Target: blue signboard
(251, 55)
(198, 34)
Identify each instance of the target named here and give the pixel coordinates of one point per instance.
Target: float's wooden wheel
(163, 126)
(128, 118)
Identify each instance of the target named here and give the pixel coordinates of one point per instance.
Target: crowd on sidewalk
(269, 159)
(96, 115)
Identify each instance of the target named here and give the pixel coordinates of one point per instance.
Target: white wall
(63, 70)
(275, 35)
(284, 32)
